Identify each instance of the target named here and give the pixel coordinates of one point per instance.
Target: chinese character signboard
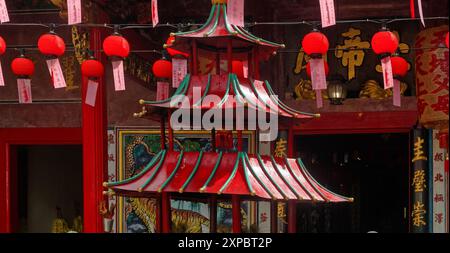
(439, 194)
(419, 183)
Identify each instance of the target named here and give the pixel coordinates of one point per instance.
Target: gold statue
(373, 90)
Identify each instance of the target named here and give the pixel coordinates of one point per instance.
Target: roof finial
(219, 1)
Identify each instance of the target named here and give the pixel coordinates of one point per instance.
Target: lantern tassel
(319, 99)
(91, 93)
(2, 79)
(119, 75)
(419, 5)
(56, 73)
(162, 91)
(397, 93)
(412, 8)
(24, 91)
(388, 76)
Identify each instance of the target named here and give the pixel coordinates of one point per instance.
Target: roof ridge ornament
(219, 1)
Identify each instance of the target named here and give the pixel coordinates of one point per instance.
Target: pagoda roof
(251, 176)
(230, 92)
(216, 33)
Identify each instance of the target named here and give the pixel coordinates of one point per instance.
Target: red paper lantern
(116, 46)
(237, 67)
(308, 68)
(315, 43)
(51, 45)
(92, 68)
(162, 69)
(172, 52)
(22, 66)
(384, 42)
(400, 66)
(2, 46)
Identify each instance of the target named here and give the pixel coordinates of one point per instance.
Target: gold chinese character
(352, 51)
(418, 214)
(280, 148)
(418, 150)
(419, 180)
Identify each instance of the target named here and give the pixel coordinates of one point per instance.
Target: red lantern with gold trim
(400, 66)
(51, 45)
(2, 46)
(384, 42)
(22, 66)
(315, 43)
(92, 68)
(116, 46)
(162, 69)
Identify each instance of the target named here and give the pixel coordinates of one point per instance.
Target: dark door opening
(371, 168)
(50, 184)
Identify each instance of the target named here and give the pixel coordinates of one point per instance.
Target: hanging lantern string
(284, 51)
(249, 24)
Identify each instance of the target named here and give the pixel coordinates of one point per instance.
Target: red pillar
(274, 217)
(236, 214)
(292, 216)
(94, 126)
(213, 214)
(166, 214)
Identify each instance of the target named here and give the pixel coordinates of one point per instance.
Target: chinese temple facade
(101, 153)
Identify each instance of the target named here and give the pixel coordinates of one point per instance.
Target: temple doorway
(372, 168)
(50, 189)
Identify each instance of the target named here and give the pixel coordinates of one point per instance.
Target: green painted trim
(300, 163)
(299, 181)
(149, 165)
(253, 37)
(208, 86)
(227, 24)
(213, 173)
(216, 23)
(257, 178)
(182, 89)
(249, 185)
(174, 172)
(227, 92)
(194, 171)
(211, 15)
(283, 105)
(256, 92)
(312, 178)
(237, 91)
(270, 177)
(284, 179)
(158, 167)
(233, 174)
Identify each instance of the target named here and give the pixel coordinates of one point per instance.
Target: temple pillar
(94, 129)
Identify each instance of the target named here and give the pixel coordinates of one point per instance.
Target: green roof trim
(284, 179)
(194, 171)
(233, 174)
(174, 172)
(149, 166)
(257, 178)
(213, 173)
(158, 167)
